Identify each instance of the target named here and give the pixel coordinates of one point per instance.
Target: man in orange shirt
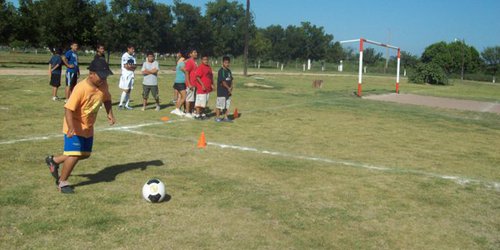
(78, 127)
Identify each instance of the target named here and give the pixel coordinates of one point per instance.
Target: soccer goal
(360, 74)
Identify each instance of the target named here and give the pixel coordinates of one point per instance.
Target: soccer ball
(153, 190)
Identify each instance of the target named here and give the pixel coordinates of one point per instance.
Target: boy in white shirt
(127, 77)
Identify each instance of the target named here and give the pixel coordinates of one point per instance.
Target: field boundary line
(457, 179)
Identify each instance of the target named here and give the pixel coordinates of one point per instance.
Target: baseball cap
(100, 67)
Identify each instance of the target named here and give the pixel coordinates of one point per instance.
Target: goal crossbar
(360, 73)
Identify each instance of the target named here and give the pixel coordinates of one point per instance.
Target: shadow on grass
(109, 174)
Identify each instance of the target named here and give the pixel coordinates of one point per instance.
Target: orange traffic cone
(235, 114)
(202, 143)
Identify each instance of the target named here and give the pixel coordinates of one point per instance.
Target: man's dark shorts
(71, 80)
(147, 88)
(55, 80)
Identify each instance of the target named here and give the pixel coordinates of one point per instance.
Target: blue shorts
(77, 145)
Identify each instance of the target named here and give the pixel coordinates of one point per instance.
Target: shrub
(428, 73)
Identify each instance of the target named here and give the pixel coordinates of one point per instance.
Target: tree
(408, 60)
(453, 57)
(370, 56)
(227, 24)
(7, 15)
(316, 41)
(279, 48)
(335, 53)
(25, 25)
(260, 46)
(190, 28)
(428, 73)
(61, 22)
(491, 57)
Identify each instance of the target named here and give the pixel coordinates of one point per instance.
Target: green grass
(235, 199)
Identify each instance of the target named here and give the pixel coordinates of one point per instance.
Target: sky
(411, 25)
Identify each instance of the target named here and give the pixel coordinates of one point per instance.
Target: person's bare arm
(65, 61)
(69, 120)
(109, 111)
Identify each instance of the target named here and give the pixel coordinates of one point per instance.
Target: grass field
(300, 169)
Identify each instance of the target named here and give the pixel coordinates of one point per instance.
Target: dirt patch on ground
(439, 102)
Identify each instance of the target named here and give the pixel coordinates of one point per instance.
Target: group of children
(193, 83)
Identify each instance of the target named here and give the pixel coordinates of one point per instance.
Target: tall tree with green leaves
(26, 25)
(279, 47)
(260, 46)
(453, 57)
(335, 52)
(316, 41)
(61, 22)
(191, 29)
(227, 23)
(7, 15)
(491, 57)
(370, 56)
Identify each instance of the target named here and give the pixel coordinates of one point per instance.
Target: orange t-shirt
(85, 101)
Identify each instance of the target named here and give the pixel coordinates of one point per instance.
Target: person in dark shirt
(99, 52)
(55, 66)
(224, 90)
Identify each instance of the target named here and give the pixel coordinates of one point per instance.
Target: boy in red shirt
(205, 85)
(190, 72)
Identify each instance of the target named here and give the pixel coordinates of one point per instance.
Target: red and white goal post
(360, 74)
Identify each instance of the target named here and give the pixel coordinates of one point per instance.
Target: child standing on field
(205, 84)
(150, 70)
(224, 90)
(55, 67)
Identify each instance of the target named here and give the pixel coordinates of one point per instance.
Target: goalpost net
(360, 70)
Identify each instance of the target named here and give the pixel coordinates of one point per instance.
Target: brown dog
(317, 84)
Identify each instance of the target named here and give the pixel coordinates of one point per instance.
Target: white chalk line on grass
(111, 128)
(130, 129)
(457, 179)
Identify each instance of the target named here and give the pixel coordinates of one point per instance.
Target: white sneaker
(129, 108)
(189, 115)
(157, 108)
(143, 108)
(177, 112)
(54, 98)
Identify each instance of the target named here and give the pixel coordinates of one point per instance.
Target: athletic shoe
(157, 108)
(177, 112)
(128, 108)
(65, 188)
(143, 108)
(218, 119)
(53, 167)
(54, 98)
(189, 115)
(227, 120)
(120, 107)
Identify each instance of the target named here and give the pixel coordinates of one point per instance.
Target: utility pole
(245, 53)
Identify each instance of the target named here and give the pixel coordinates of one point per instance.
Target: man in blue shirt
(70, 59)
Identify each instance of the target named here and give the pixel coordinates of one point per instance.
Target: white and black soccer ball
(153, 190)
